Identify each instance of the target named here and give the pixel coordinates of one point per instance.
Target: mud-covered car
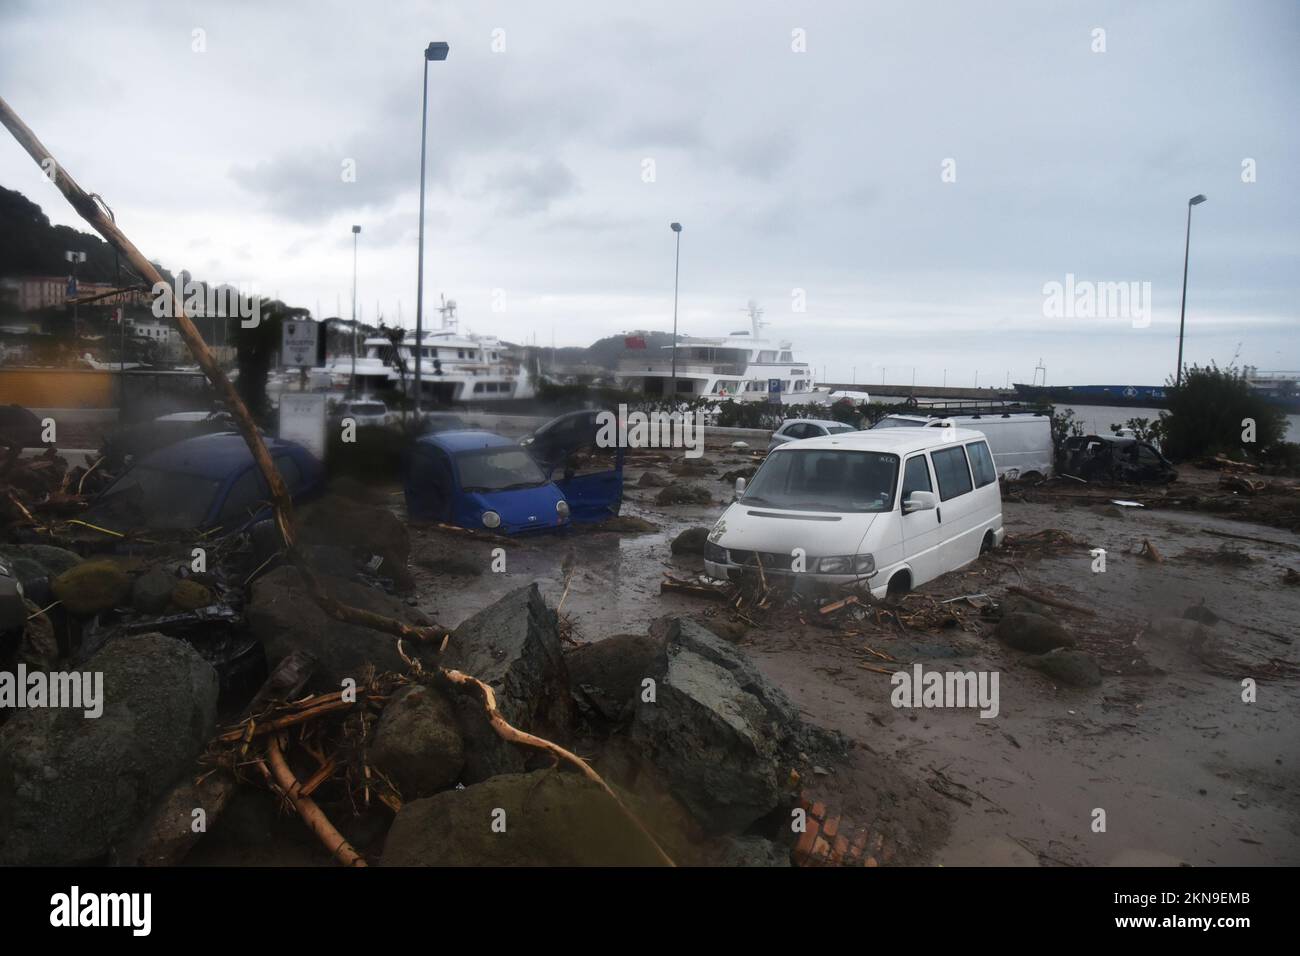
(1115, 458)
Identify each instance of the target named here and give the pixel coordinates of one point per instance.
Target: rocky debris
(366, 530)
(550, 818)
(606, 676)
(71, 787)
(514, 646)
(13, 609)
(54, 560)
(1067, 666)
(285, 618)
(723, 736)
(39, 648)
(151, 592)
(683, 494)
(1019, 604)
(754, 851)
(1032, 633)
(691, 466)
(452, 564)
(168, 833)
(418, 742)
(1201, 613)
(191, 595)
(731, 631)
(690, 541)
(91, 587)
(627, 524)
(652, 479)
(1179, 632)
(730, 476)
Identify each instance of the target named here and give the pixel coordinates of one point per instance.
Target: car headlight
(715, 553)
(491, 519)
(848, 564)
(562, 508)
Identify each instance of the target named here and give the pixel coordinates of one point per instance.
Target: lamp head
(675, 226)
(1196, 200)
(356, 229)
(436, 51)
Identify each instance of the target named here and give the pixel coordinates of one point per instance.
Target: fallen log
(311, 814)
(1051, 601)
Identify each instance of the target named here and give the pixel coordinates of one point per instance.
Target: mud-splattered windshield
(825, 480)
(149, 498)
(498, 469)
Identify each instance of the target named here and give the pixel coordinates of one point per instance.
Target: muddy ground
(1185, 771)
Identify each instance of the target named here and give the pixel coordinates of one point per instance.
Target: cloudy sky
(911, 174)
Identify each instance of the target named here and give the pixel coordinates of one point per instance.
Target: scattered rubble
(684, 494)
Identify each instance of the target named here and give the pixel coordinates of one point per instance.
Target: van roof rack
(944, 409)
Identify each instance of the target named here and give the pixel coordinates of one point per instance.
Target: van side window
(981, 463)
(952, 471)
(916, 477)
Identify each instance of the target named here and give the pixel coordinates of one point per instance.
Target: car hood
(754, 528)
(524, 509)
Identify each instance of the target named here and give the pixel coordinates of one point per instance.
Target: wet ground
(1184, 770)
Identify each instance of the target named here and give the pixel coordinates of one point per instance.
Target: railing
(659, 367)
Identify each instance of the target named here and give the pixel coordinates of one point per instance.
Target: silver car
(794, 429)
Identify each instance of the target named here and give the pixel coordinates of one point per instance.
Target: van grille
(772, 560)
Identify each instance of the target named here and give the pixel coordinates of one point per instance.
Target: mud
(1185, 771)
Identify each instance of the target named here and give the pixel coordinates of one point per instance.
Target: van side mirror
(740, 487)
(920, 501)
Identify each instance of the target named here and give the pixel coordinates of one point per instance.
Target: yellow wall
(57, 388)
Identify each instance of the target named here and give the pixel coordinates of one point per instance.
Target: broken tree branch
(311, 814)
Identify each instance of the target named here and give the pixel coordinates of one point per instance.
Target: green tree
(1209, 414)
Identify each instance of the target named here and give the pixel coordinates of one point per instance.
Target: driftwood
(1054, 602)
(311, 814)
(679, 586)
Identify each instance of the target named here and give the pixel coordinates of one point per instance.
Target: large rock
(1071, 667)
(1032, 633)
(285, 618)
(365, 529)
(724, 737)
(71, 786)
(13, 609)
(418, 743)
(152, 591)
(606, 676)
(514, 645)
(91, 587)
(54, 560)
(691, 541)
(166, 836)
(551, 818)
(684, 494)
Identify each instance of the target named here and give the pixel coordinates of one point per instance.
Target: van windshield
(825, 480)
(498, 469)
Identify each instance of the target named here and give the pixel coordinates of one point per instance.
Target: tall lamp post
(356, 231)
(677, 228)
(434, 51)
(1182, 312)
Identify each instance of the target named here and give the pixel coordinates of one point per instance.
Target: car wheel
(987, 544)
(899, 585)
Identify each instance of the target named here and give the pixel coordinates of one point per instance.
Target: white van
(891, 509)
(1021, 442)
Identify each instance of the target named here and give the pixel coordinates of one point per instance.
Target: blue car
(476, 479)
(208, 484)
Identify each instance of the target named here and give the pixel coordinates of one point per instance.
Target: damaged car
(1115, 458)
(208, 484)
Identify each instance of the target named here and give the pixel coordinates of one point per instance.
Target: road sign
(298, 343)
(302, 419)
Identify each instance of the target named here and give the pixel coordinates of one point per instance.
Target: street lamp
(356, 231)
(677, 228)
(75, 258)
(434, 51)
(1182, 312)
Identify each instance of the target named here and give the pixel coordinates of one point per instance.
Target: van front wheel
(899, 585)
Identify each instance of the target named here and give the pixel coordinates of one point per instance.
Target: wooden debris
(1050, 601)
(1151, 552)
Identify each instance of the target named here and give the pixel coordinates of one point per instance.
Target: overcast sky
(920, 170)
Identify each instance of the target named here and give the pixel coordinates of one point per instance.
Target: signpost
(298, 343)
(302, 419)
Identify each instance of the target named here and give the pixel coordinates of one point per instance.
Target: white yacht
(744, 366)
(455, 366)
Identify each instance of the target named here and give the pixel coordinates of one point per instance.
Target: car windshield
(151, 498)
(892, 422)
(498, 469)
(838, 427)
(825, 480)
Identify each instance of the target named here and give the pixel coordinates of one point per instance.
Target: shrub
(1208, 414)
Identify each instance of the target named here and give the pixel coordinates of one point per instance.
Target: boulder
(1018, 603)
(168, 833)
(690, 541)
(551, 818)
(514, 646)
(72, 786)
(1071, 667)
(754, 851)
(13, 609)
(152, 591)
(652, 479)
(683, 494)
(191, 595)
(1032, 633)
(39, 648)
(54, 560)
(418, 743)
(724, 737)
(285, 618)
(367, 530)
(91, 587)
(731, 631)
(31, 575)
(606, 676)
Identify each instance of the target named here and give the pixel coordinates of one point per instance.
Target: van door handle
(938, 513)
